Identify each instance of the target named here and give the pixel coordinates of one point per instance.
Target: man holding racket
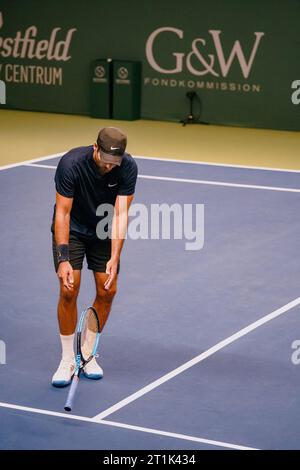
(86, 178)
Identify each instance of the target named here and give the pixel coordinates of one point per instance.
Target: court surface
(197, 350)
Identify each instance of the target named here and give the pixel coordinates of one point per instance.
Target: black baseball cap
(111, 144)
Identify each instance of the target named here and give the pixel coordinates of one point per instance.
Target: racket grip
(71, 394)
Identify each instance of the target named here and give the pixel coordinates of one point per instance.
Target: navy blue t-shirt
(77, 176)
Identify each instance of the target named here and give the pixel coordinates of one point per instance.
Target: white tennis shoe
(92, 370)
(64, 373)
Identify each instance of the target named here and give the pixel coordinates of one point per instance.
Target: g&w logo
(196, 61)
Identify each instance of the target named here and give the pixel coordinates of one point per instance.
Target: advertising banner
(241, 59)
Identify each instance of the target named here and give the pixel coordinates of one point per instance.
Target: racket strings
(89, 334)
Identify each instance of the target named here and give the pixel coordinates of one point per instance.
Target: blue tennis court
(197, 350)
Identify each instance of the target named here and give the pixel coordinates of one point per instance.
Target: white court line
(36, 165)
(221, 183)
(194, 181)
(199, 358)
(40, 159)
(187, 365)
(226, 165)
(127, 426)
(179, 436)
(166, 159)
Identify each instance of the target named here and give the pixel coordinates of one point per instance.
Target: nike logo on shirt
(112, 185)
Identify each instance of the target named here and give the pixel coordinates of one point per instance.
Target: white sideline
(126, 426)
(226, 165)
(194, 181)
(40, 159)
(165, 159)
(187, 365)
(221, 183)
(37, 165)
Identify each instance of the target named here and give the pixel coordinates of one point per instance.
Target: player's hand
(65, 274)
(111, 270)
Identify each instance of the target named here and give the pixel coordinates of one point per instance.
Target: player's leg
(98, 254)
(104, 298)
(102, 304)
(67, 306)
(67, 313)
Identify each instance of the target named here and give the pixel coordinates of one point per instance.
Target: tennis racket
(87, 339)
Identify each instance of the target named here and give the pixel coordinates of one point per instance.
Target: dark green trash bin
(101, 89)
(126, 90)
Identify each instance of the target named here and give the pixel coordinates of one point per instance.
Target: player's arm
(62, 230)
(119, 229)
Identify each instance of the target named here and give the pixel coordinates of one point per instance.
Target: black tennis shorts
(96, 251)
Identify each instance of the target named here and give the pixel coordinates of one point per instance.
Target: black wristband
(62, 253)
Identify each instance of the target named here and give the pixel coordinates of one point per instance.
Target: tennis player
(87, 177)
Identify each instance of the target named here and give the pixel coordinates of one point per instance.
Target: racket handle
(71, 394)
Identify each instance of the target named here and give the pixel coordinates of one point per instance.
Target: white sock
(67, 344)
